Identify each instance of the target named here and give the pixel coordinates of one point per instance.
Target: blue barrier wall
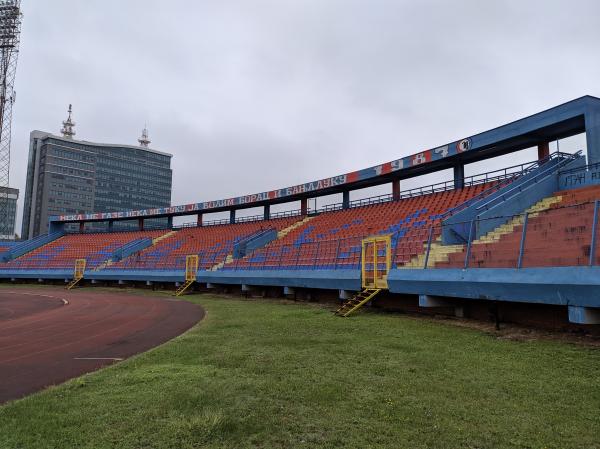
(322, 279)
(28, 246)
(131, 248)
(576, 179)
(254, 242)
(575, 286)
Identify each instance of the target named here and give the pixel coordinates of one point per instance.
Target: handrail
(531, 167)
(519, 188)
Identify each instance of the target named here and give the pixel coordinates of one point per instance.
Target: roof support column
(543, 150)
(267, 212)
(111, 225)
(459, 176)
(592, 135)
(304, 206)
(346, 199)
(140, 224)
(232, 216)
(170, 222)
(81, 226)
(396, 189)
(199, 222)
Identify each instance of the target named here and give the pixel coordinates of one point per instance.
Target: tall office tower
(68, 176)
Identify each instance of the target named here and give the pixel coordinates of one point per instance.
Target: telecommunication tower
(10, 30)
(144, 140)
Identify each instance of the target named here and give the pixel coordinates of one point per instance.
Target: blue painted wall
(560, 285)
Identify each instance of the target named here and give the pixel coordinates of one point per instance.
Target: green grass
(277, 375)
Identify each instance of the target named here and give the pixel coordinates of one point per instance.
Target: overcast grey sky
(253, 95)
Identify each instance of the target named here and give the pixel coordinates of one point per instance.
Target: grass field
(281, 375)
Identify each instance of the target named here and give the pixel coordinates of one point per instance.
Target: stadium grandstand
(524, 234)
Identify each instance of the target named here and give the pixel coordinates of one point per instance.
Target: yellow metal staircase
(357, 301)
(77, 273)
(191, 268)
(73, 283)
(183, 288)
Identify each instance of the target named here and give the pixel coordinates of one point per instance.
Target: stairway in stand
(73, 283)
(357, 301)
(183, 288)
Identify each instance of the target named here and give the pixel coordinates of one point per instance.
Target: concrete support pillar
(199, 219)
(427, 301)
(543, 150)
(232, 216)
(111, 225)
(304, 206)
(346, 199)
(584, 315)
(267, 212)
(81, 226)
(433, 301)
(140, 224)
(345, 294)
(459, 176)
(592, 135)
(396, 189)
(170, 222)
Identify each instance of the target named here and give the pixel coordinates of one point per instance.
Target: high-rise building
(68, 176)
(8, 199)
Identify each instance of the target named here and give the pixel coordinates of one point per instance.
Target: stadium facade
(68, 176)
(511, 240)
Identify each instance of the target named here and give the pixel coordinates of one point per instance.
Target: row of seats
(212, 244)
(96, 248)
(334, 239)
(329, 240)
(559, 236)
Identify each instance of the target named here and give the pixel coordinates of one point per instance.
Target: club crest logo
(463, 145)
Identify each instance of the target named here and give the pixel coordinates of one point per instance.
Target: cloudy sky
(251, 95)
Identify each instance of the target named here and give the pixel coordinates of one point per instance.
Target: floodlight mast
(10, 31)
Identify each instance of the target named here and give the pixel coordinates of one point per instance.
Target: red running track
(50, 335)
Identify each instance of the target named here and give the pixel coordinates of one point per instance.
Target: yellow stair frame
(78, 273)
(357, 301)
(191, 269)
(374, 275)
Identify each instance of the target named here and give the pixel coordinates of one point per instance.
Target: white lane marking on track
(65, 302)
(98, 358)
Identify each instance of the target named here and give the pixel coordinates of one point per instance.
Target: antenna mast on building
(10, 31)
(68, 130)
(144, 140)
